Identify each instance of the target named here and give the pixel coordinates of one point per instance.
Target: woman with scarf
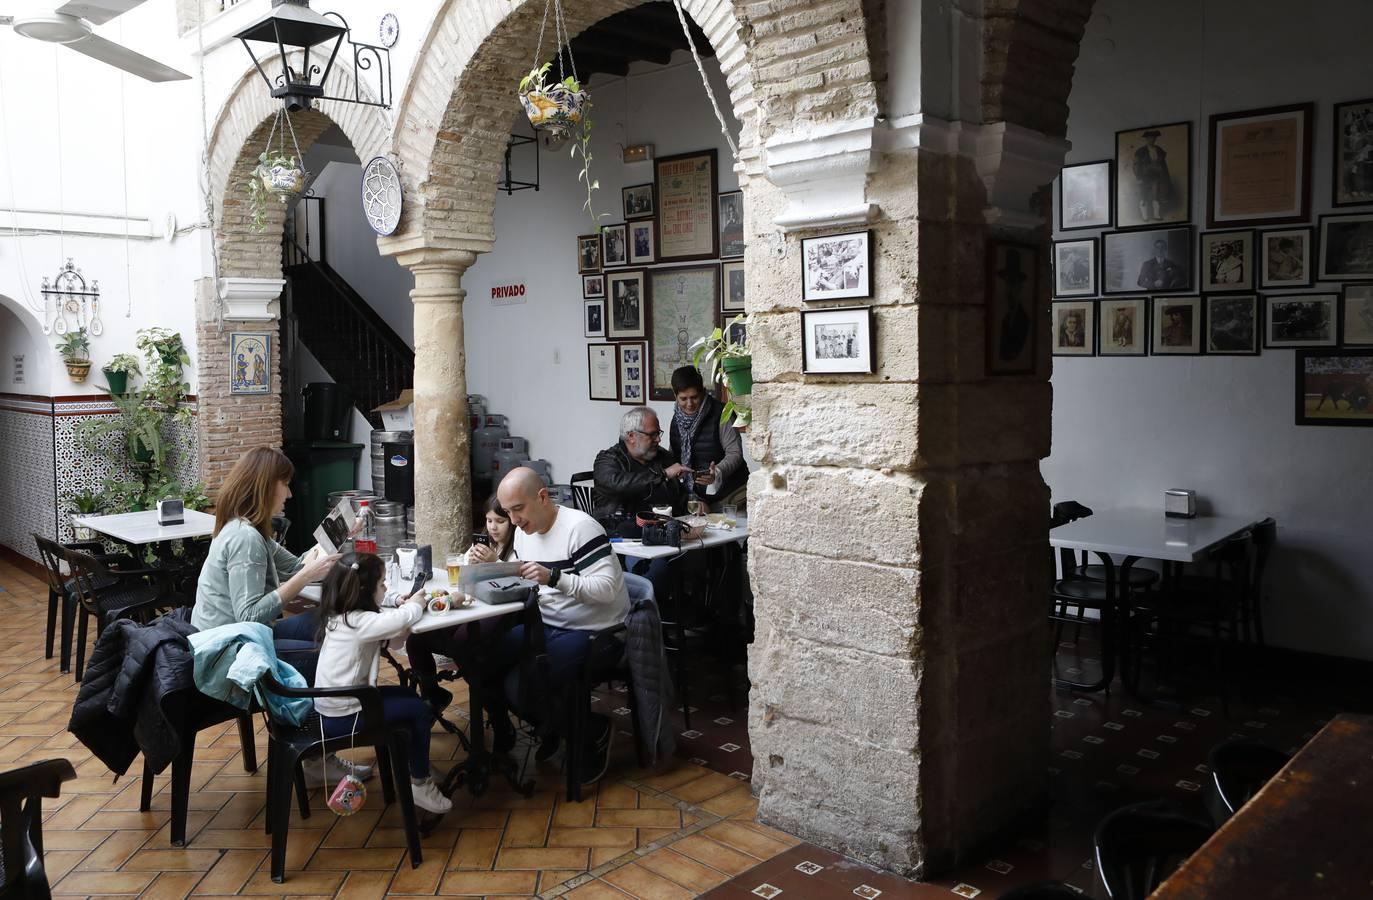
(702, 442)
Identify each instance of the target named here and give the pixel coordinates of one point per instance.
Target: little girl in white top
(352, 628)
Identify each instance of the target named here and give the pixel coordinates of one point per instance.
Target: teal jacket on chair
(231, 658)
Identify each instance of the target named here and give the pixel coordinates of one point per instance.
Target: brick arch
(459, 103)
(1029, 49)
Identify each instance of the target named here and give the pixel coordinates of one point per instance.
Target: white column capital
(251, 299)
(823, 170)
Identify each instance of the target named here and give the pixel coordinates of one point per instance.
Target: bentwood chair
(21, 825)
(1139, 846)
(583, 486)
(1239, 769)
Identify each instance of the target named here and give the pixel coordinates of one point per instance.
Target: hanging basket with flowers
(278, 175)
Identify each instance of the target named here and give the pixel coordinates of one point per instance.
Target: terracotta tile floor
(686, 829)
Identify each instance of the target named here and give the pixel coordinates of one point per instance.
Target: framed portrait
(615, 249)
(686, 225)
(1177, 327)
(1286, 257)
(1075, 268)
(1260, 166)
(638, 201)
(1012, 284)
(1123, 327)
(588, 253)
(1227, 261)
(633, 367)
(1232, 325)
(641, 244)
(1156, 261)
(1356, 316)
(593, 318)
(1154, 176)
(625, 305)
(1085, 196)
(1334, 387)
(250, 363)
(737, 331)
(603, 372)
(593, 287)
(731, 224)
(837, 266)
(1352, 169)
(684, 306)
(837, 340)
(1074, 327)
(1301, 320)
(732, 286)
(1346, 248)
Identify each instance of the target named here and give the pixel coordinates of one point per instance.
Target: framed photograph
(1346, 248)
(1260, 166)
(1356, 316)
(641, 244)
(1012, 283)
(732, 286)
(1154, 176)
(1335, 387)
(593, 287)
(638, 201)
(1352, 170)
(1075, 268)
(1232, 325)
(684, 306)
(593, 318)
(1301, 320)
(732, 224)
(1085, 196)
(250, 363)
(1286, 259)
(1227, 261)
(616, 247)
(686, 223)
(737, 332)
(588, 253)
(837, 340)
(633, 366)
(1123, 327)
(1177, 326)
(1074, 327)
(625, 305)
(603, 372)
(1157, 261)
(837, 266)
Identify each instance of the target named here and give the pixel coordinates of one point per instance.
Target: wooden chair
(21, 825)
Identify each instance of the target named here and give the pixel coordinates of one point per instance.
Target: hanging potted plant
(276, 176)
(555, 107)
(723, 360)
(118, 370)
(76, 353)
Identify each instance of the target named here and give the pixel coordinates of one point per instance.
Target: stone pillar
(443, 468)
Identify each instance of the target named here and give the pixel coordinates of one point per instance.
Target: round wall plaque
(389, 30)
(381, 195)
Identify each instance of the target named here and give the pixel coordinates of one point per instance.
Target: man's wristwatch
(553, 575)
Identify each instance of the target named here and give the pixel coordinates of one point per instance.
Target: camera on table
(660, 531)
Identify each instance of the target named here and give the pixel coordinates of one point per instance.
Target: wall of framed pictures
(1213, 275)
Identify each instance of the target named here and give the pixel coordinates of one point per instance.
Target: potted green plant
(730, 363)
(84, 503)
(118, 370)
(278, 176)
(76, 353)
(563, 109)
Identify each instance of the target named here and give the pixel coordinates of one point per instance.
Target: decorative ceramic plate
(389, 30)
(381, 195)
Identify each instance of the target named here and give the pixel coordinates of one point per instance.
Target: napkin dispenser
(1180, 504)
(171, 512)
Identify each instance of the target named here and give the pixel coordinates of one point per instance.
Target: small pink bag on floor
(350, 794)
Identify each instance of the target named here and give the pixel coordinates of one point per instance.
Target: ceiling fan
(70, 25)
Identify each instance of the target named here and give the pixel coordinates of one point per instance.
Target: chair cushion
(1092, 593)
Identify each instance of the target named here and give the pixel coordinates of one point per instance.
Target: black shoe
(597, 758)
(547, 748)
(437, 697)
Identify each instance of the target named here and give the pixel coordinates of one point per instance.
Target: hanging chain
(538, 48)
(719, 116)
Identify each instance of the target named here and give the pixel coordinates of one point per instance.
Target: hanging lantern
(293, 25)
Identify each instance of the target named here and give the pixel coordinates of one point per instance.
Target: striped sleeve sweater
(591, 592)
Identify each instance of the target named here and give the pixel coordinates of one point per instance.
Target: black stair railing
(353, 344)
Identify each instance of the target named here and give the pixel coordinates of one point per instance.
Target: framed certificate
(687, 223)
(1261, 166)
(603, 372)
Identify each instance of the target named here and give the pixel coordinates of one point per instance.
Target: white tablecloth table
(713, 537)
(141, 527)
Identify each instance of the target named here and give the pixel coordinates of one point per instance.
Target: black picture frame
(641, 235)
(1336, 243)
(614, 246)
(1272, 265)
(593, 286)
(1129, 250)
(1064, 269)
(861, 345)
(630, 309)
(852, 256)
(632, 372)
(1100, 172)
(1013, 308)
(595, 351)
(637, 201)
(1276, 316)
(685, 186)
(1132, 181)
(1335, 376)
(1068, 340)
(589, 253)
(730, 215)
(1134, 332)
(1344, 190)
(1213, 277)
(593, 318)
(1227, 318)
(1361, 334)
(1165, 321)
(1305, 113)
(732, 286)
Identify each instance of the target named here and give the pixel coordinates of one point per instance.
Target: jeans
(294, 640)
(657, 571)
(567, 650)
(402, 709)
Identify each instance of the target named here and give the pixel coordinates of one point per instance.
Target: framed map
(687, 222)
(684, 306)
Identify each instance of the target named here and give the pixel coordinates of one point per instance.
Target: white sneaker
(428, 797)
(331, 772)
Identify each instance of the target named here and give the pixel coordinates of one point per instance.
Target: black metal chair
(21, 825)
(61, 592)
(1239, 769)
(1265, 535)
(280, 526)
(288, 745)
(107, 594)
(583, 491)
(1140, 845)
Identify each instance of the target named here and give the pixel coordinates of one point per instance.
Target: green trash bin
(322, 467)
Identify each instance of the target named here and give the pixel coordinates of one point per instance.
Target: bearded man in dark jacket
(637, 473)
